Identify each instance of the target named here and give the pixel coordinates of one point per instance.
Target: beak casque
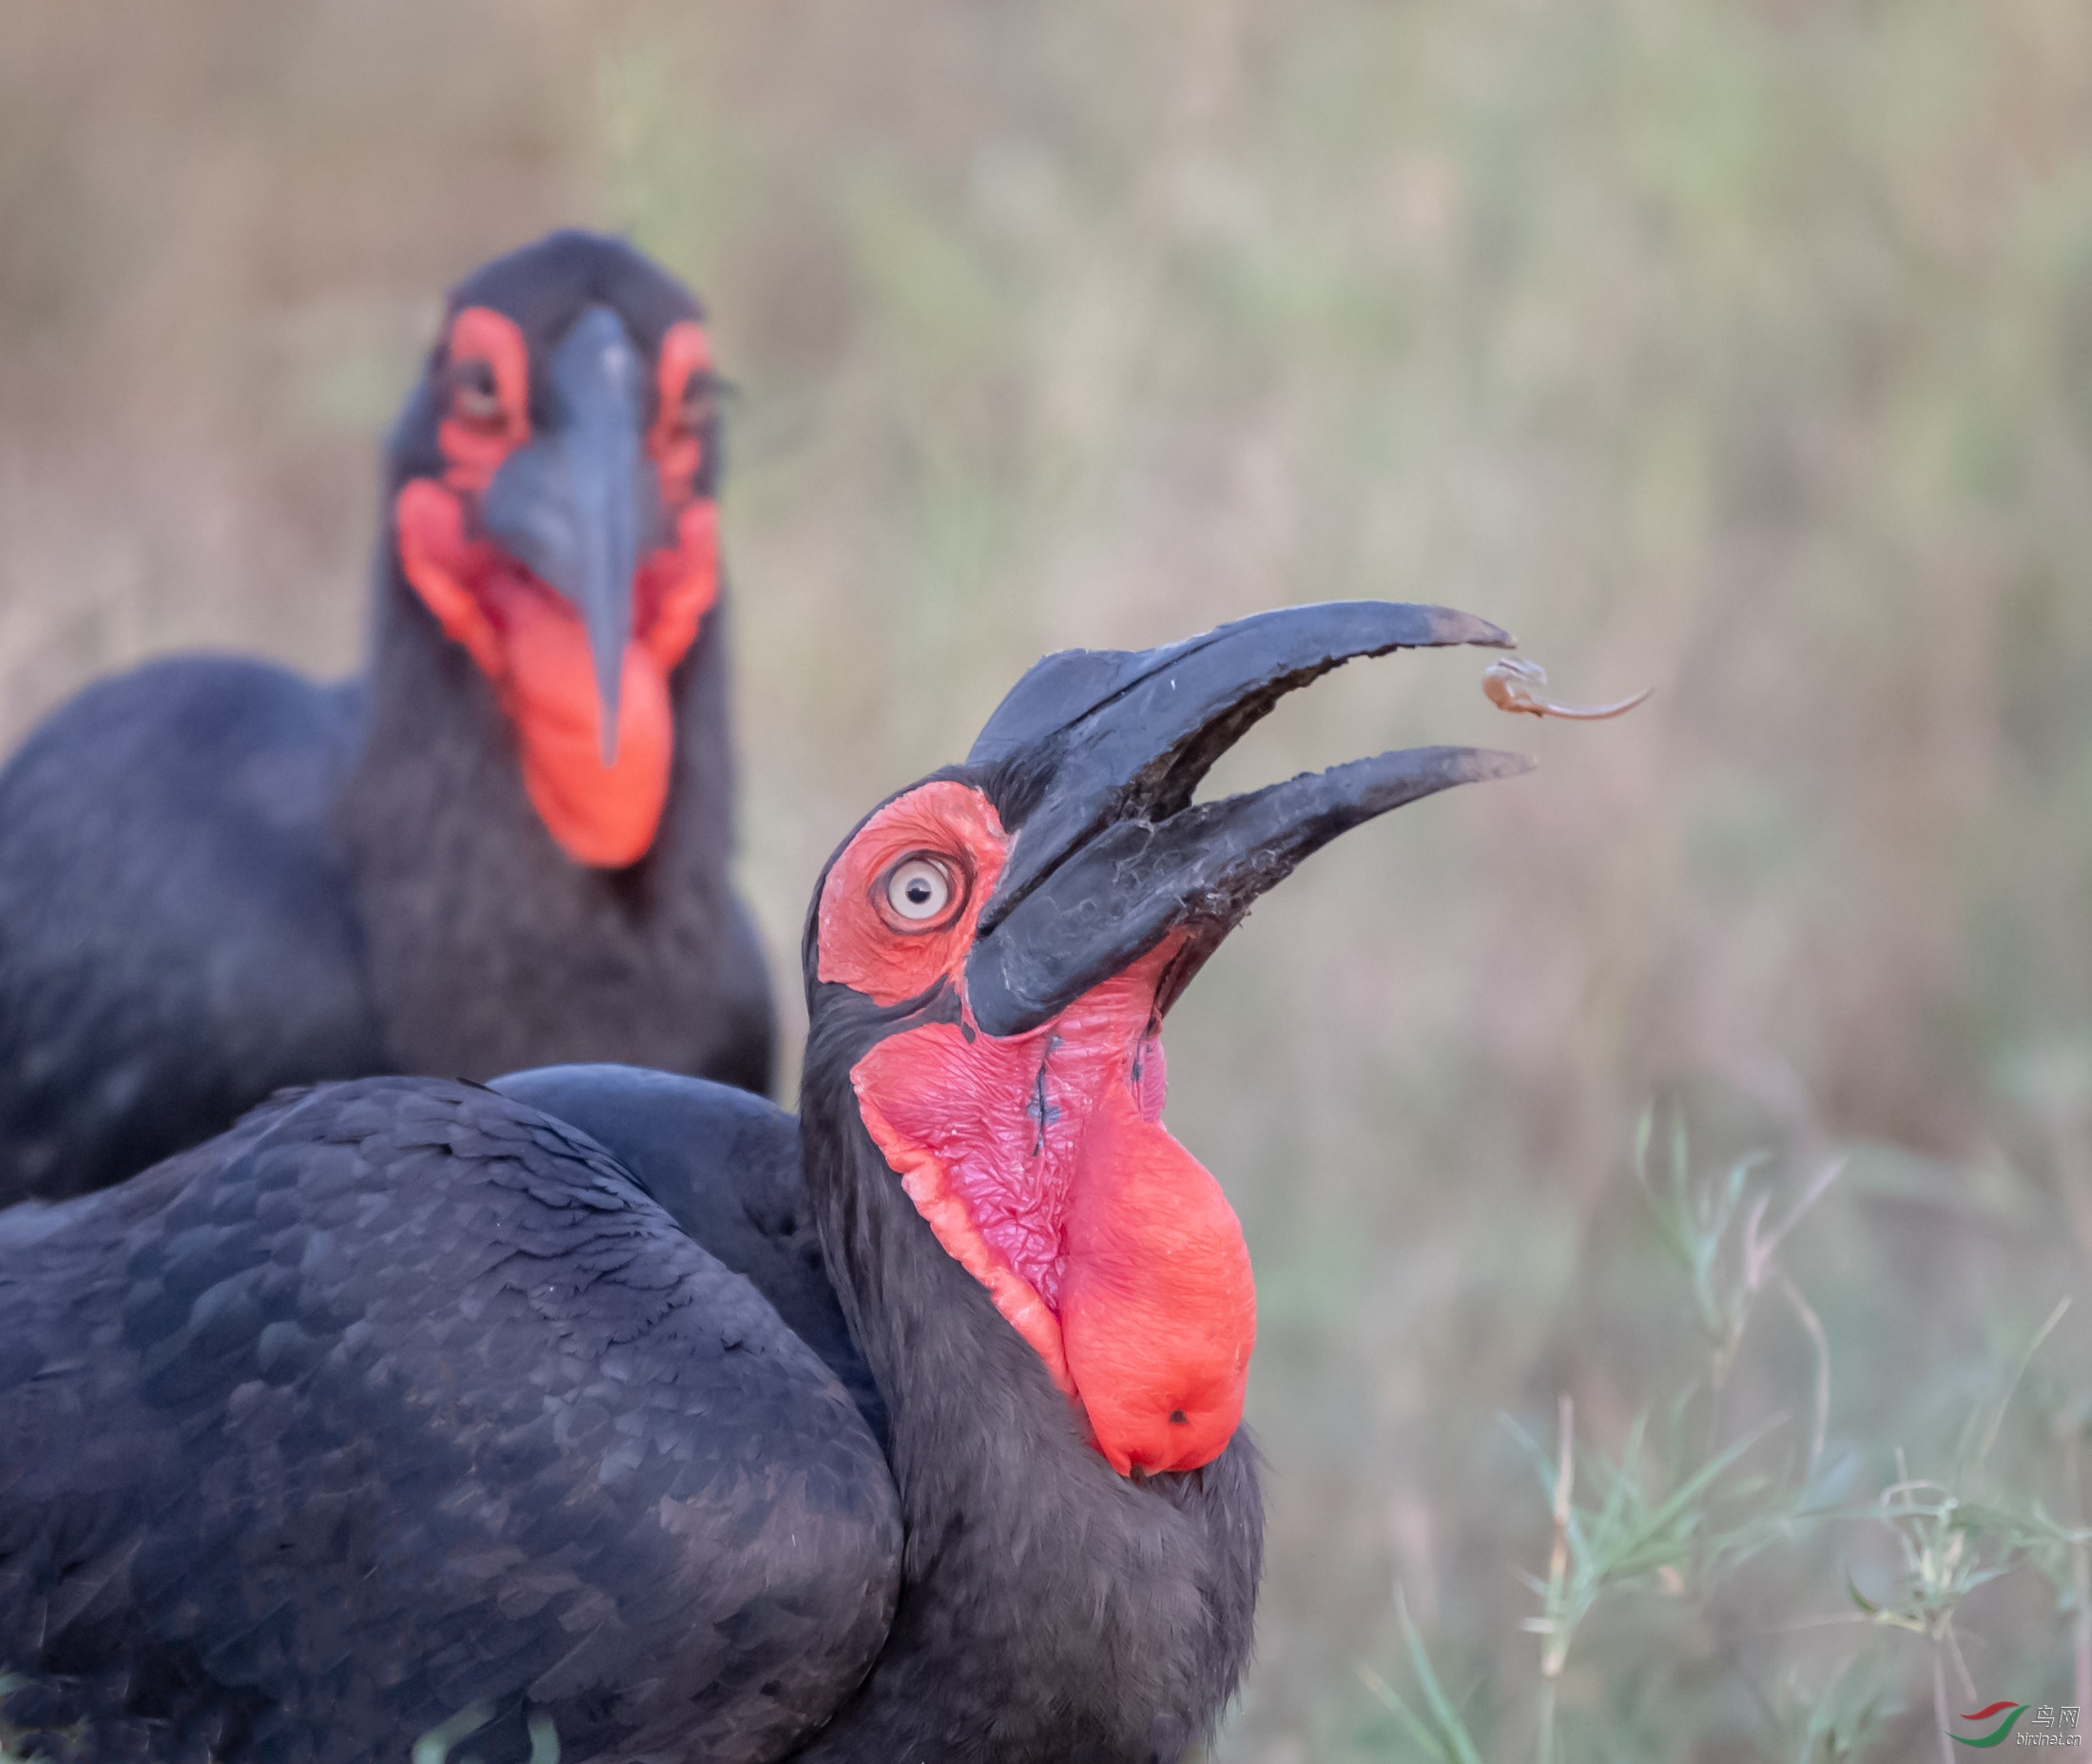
(1093, 760)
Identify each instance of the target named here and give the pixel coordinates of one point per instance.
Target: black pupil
(919, 891)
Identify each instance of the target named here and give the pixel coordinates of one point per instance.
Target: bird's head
(552, 481)
(998, 946)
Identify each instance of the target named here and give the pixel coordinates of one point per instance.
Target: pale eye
(918, 889)
(475, 394)
(697, 399)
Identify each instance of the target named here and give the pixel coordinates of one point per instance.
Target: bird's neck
(471, 909)
(1049, 1608)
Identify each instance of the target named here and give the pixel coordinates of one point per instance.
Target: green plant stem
(1939, 1700)
(2018, 1371)
(2080, 1578)
(1819, 1429)
(1717, 1377)
(1555, 1655)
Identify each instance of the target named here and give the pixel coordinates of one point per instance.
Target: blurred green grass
(1741, 348)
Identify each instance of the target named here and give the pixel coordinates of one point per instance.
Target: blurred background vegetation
(1743, 347)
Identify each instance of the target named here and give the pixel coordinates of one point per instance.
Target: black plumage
(218, 879)
(409, 1402)
(725, 1166)
(401, 1399)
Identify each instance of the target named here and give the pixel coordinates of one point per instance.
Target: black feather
(176, 935)
(405, 1396)
(725, 1167)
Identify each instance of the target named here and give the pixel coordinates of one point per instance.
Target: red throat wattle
(1040, 1162)
(529, 640)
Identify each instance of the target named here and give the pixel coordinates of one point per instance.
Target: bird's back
(176, 937)
(404, 1401)
(726, 1166)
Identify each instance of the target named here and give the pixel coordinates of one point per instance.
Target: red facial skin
(526, 638)
(1039, 1159)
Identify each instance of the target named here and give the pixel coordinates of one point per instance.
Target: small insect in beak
(1508, 684)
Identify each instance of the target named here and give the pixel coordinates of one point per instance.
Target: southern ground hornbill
(506, 845)
(570, 1408)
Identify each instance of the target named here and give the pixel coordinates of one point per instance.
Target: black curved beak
(1094, 758)
(580, 505)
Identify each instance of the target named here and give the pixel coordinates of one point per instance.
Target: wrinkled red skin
(529, 640)
(1040, 1160)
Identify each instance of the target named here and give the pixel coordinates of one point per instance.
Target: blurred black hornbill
(506, 845)
(558, 1408)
